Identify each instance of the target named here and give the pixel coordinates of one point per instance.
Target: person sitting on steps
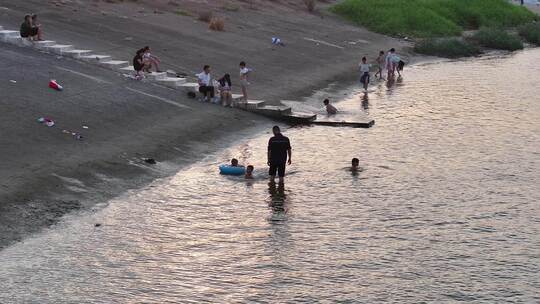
(138, 64)
(225, 87)
(205, 83)
(30, 30)
(151, 60)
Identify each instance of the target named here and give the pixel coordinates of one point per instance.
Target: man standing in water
(279, 150)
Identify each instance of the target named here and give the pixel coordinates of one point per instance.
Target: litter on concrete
(46, 121)
(55, 86)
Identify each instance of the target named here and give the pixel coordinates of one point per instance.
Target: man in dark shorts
(279, 150)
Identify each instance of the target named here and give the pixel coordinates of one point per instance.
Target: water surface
(446, 209)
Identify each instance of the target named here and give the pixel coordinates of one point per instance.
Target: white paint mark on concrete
(99, 80)
(323, 42)
(159, 98)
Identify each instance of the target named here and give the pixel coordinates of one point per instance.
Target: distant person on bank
(244, 79)
(279, 155)
(205, 83)
(31, 29)
(330, 109)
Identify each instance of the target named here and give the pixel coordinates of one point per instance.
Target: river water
(446, 209)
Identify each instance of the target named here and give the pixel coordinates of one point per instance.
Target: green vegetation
(446, 47)
(530, 32)
(496, 38)
(432, 18)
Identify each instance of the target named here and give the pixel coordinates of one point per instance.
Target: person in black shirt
(279, 150)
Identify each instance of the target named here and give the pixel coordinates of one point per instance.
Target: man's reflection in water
(365, 101)
(278, 199)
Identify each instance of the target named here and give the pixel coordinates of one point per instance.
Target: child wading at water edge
(244, 83)
(330, 109)
(364, 71)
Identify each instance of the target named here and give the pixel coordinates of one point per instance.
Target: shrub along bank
(432, 18)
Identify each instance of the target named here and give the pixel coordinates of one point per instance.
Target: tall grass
(530, 32)
(432, 18)
(496, 38)
(446, 47)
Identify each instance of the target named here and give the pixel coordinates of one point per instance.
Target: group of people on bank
(210, 88)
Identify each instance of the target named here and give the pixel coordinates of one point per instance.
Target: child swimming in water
(355, 165)
(249, 172)
(234, 162)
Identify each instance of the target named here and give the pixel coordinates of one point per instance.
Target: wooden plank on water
(367, 124)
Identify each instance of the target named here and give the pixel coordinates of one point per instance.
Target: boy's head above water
(234, 162)
(326, 101)
(249, 169)
(355, 162)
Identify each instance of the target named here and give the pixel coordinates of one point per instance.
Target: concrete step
(59, 48)
(77, 53)
(250, 104)
(16, 40)
(95, 58)
(159, 76)
(172, 82)
(273, 111)
(115, 64)
(189, 87)
(237, 97)
(43, 44)
(4, 34)
(129, 68)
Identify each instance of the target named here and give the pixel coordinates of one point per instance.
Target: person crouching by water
(279, 154)
(205, 83)
(225, 87)
(364, 71)
(30, 30)
(330, 109)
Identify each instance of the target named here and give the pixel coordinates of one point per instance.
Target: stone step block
(59, 48)
(5, 34)
(115, 64)
(158, 76)
(172, 82)
(189, 87)
(43, 44)
(77, 53)
(95, 58)
(250, 104)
